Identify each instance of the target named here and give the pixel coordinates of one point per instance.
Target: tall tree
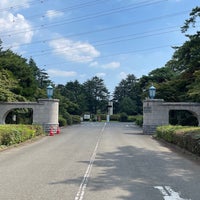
(193, 88)
(128, 92)
(96, 95)
(21, 71)
(40, 75)
(8, 84)
(194, 14)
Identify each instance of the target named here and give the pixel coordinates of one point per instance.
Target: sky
(80, 39)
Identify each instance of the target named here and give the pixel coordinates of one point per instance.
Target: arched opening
(183, 117)
(19, 116)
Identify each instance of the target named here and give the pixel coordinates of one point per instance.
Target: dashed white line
(83, 185)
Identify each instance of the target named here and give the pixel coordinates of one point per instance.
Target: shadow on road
(137, 170)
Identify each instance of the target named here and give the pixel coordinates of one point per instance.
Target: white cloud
(94, 64)
(14, 28)
(112, 65)
(51, 14)
(122, 75)
(61, 73)
(101, 74)
(75, 51)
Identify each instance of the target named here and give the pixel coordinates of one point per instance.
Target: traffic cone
(51, 132)
(58, 130)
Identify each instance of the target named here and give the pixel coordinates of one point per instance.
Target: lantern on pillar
(152, 92)
(49, 92)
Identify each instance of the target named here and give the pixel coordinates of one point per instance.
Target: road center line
(83, 185)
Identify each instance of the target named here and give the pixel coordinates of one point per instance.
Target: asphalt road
(98, 161)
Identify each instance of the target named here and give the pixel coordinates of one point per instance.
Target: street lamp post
(152, 92)
(49, 92)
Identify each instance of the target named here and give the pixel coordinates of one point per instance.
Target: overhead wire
(78, 19)
(69, 8)
(75, 6)
(132, 52)
(113, 27)
(109, 39)
(114, 10)
(18, 6)
(99, 14)
(113, 40)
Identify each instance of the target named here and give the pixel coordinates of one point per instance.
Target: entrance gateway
(156, 112)
(45, 112)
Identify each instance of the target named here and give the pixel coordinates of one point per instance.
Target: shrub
(139, 120)
(62, 121)
(131, 118)
(166, 132)
(14, 134)
(68, 119)
(76, 119)
(123, 117)
(185, 137)
(114, 117)
(93, 118)
(103, 116)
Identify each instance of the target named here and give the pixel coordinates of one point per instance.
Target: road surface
(98, 161)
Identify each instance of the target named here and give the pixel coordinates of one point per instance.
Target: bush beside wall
(184, 137)
(15, 134)
(76, 119)
(139, 120)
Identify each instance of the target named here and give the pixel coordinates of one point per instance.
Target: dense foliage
(15, 134)
(178, 80)
(185, 137)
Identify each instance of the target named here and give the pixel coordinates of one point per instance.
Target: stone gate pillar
(154, 114)
(46, 114)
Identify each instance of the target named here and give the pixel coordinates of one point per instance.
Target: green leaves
(96, 95)
(192, 20)
(15, 134)
(185, 137)
(127, 97)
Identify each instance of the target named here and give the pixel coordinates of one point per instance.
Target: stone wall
(156, 112)
(45, 112)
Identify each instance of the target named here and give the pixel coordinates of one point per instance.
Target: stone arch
(8, 107)
(45, 111)
(190, 112)
(13, 109)
(156, 112)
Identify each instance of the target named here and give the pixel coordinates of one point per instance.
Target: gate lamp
(152, 92)
(49, 92)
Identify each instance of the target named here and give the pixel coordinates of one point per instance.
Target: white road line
(168, 193)
(83, 185)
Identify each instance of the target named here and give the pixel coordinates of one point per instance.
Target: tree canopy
(177, 80)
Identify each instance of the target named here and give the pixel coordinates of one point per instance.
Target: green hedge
(68, 118)
(114, 117)
(15, 134)
(62, 121)
(76, 119)
(185, 137)
(123, 117)
(139, 120)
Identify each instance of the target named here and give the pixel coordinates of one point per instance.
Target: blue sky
(76, 40)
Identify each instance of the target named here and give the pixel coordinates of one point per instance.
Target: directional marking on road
(168, 193)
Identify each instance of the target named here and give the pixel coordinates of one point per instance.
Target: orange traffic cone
(51, 132)
(58, 130)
